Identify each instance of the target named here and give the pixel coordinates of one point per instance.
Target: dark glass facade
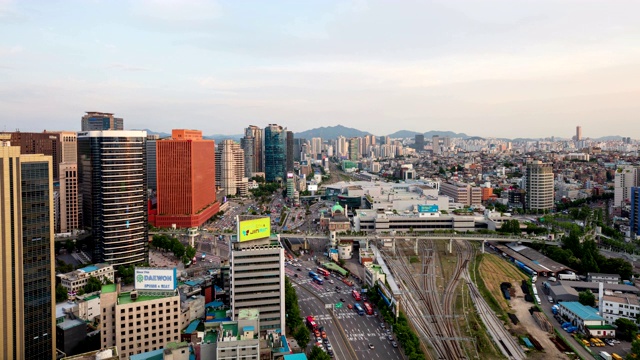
(289, 152)
(113, 183)
(275, 153)
(36, 246)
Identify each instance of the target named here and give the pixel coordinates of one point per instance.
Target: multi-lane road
(363, 332)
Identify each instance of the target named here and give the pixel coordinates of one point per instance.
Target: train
(525, 268)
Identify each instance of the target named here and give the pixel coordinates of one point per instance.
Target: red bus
(367, 308)
(323, 272)
(311, 323)
(356, 295)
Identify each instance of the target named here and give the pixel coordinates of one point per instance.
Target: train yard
(431, 299)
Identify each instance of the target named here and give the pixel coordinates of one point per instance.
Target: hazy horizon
(508, 69)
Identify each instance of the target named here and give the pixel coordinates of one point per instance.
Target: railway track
(424, 301)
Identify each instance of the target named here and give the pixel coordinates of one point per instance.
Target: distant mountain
(450, 134)
(474, 138)
(402, 134)
(217, 137)
(609, 138)
(330, 132)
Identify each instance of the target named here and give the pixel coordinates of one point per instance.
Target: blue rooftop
(300, 356)
(150, 355)
(218, 320)
(217, 288)
(248, 328)
(583, 312)
(193, 282)
(214, 304)
(285, 346)
(89, 268)
(192, 327)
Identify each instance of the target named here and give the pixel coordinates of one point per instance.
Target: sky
(509, 68)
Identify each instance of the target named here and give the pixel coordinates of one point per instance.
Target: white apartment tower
(626, 177)
(538, 184)
(230, 171)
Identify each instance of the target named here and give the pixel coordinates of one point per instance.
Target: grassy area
(472, 326)
(486, 294)
(493, 272)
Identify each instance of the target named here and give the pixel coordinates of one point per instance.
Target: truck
(571, 329)
(572, 277)
(605, 355)
(506, 294)
(554, 309)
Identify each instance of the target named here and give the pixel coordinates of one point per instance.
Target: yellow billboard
(254, 229)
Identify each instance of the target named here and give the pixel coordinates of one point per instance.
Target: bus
(312, 274)
(311, 323)
(323, 272)
(317, 280)
(367, 308)
(356, 295)
(358, 308)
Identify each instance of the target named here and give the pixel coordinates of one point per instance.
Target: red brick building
(186, 194)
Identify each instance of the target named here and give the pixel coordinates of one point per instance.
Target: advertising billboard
(427, 208)
(254, 229)
(156, 279)
(312, 187)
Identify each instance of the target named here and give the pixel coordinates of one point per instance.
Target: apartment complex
(462, 193)
(77, 279)
(634, 214)
(113, 186)
(252, 145)
(26, 255)
(538, 184)
(186, 180)
(626, 177)
(97, 121)
(257, 272)
(140, 320)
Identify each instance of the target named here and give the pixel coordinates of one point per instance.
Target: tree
(302, 336)
(126, 273)
(177, 248)
(586, 298)
(190, 252)
(627, 329)
(61, 293)
(93, 284)
(635, 350)
(318, 354)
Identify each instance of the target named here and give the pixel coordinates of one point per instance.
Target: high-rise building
(626, 177)
(186, 171)
(247, 145)
(290, 156)
(70, 204)
(60, 145)
(230, 172)
(257, 266)
(435, 144)
(113, 186)
(538, 184)
(578, 133)
(354, 151)
(297, 148)
(97, 121)
(316, 147)
(26, 255)
(253, 136)
(419, 146)
(151, 162)
(275, 152)
(342, 147)
(634, 217)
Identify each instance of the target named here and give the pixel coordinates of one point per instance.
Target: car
(298, 269)
(319, 340)
(337, 287)
(382, 325)
(296, 275)
(389, 337)
(326, 340)
(371, 346)
(350, 306)
(394, 344)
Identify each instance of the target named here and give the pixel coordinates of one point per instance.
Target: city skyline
(491, 69)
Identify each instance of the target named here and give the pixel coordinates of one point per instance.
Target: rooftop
(583, 312)
(149, 355)
(125, 298)
(108, 288)
(627, 299)
(595, 286)
(299, 356)
(192, 327)
(613, 276)
(70, 323)
(248, 314)
(106, 354)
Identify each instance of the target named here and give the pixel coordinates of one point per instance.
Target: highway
(361, 331)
